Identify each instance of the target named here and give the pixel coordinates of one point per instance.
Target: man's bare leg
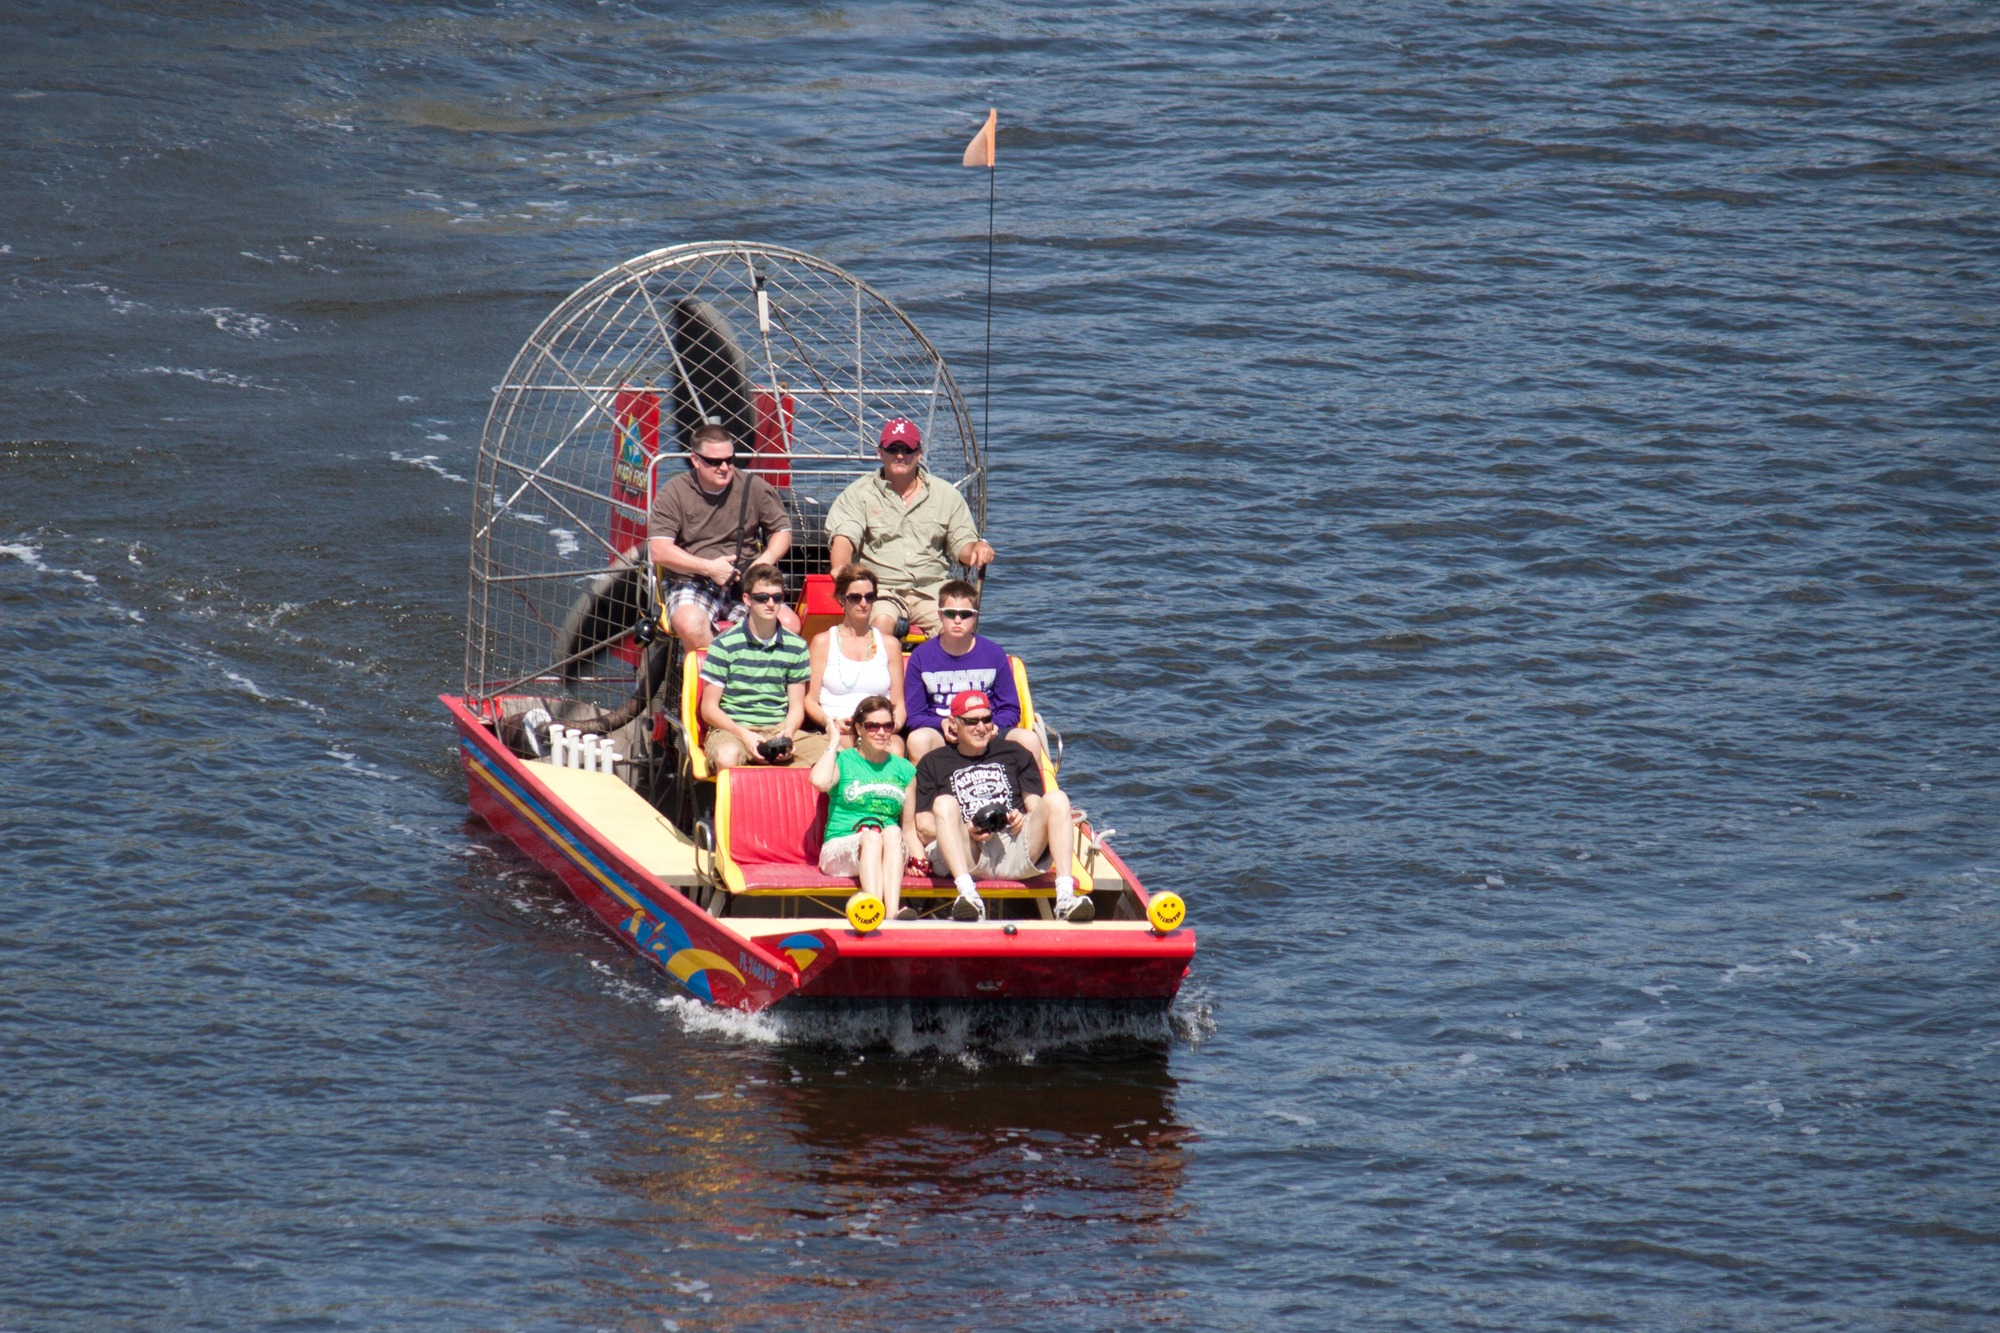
(692, 624)
(1050, 828)
(923, 740)
(728, 753)
(954, 842)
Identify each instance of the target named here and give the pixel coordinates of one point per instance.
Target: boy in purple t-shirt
(959, 659)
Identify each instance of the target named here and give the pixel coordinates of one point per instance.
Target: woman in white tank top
(851, 659)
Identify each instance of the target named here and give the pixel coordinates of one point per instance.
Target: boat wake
(970, 1033)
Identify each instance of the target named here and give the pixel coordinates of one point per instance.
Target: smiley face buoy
(1166, 912)
(865, 912)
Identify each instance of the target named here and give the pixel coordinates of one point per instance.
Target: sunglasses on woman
(857, 598)
(889, 725)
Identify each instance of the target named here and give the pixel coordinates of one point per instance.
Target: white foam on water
(428, 462)
(354, 763)
(116, 299)
(221, 377)
(240, 323)
(566, 542)
(698, 1019)
(30, 555)
(651, 1098)
(270, 619)
(249, 686)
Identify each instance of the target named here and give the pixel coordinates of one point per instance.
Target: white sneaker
(969, 907)
(1075, 908)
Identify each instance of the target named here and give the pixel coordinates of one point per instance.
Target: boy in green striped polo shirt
(753, 682)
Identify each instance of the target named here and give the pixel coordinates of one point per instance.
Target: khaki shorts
(920, 608)
(1002, 856)
(806, 746)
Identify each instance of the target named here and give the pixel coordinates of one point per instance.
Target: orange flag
(979, 153)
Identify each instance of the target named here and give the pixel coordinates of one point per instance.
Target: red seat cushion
(776, 817)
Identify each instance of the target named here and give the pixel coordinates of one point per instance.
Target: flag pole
(981, 152)
(986, 371)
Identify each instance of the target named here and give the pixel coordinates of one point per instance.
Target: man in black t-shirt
(977, 770)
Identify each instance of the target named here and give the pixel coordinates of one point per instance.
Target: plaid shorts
(722, 605)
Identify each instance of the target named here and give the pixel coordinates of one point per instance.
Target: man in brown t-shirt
(706, 527)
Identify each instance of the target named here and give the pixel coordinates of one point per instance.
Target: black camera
(775, 748)
(990, 818)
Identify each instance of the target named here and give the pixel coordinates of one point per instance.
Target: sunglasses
(986, 721)
(715, 462)
(879, 726)
(955, 614)
(858, 598)
(764, 598)
(899, 450)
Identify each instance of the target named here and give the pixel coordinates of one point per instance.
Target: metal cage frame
(832, 357)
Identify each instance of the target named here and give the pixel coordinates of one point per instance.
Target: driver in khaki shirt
(908, 527)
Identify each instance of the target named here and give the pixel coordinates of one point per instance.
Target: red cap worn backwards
(966, 701)
(902, 430)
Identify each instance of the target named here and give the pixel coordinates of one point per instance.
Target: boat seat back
(769, 816)
(691, 725)
(818, 608)
(1027, 698)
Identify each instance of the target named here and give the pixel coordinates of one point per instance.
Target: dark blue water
(1502, 501)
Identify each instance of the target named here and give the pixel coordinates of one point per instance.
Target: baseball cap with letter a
(901, 430)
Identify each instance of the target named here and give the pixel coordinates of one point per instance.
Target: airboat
(578, 729)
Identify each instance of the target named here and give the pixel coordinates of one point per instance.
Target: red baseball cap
(902, 430)
(966, 700)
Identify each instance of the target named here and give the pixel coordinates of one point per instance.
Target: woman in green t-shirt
(870, 814)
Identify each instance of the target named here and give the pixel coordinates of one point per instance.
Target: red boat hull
(821, 960)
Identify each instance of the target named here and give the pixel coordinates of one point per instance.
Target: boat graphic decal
(693, 962)
(802, 950)
(661, 936)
